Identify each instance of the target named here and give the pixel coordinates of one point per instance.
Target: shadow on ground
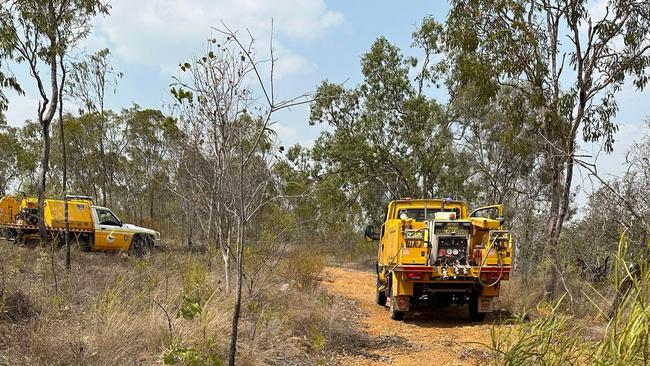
(453, 316)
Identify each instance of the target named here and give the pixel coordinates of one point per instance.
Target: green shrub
(182, 356)
(303, 266)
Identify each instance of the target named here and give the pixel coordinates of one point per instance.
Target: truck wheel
(85, 242)
(394, 313)
(141, 246)
(381, 295)
(474, 315)
(11, 234)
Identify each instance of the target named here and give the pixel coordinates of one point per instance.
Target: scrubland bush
(170, 308)
(303, 267)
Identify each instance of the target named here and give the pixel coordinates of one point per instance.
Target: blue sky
(315, 40)
(149, 38)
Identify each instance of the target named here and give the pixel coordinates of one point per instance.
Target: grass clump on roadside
(170, 308)
(555, 337)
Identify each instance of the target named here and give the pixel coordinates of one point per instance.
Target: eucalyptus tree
(333, 218)
(7, 81)
(88, 84)
(566, 61)
(38, 33)
(388, 139)
(10, 158)
(146, 170)
(81, 136)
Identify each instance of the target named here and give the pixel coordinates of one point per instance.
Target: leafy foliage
(190, 309)
(568, 86)
(388, 140)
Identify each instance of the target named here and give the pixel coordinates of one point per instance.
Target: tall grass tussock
(555, 336)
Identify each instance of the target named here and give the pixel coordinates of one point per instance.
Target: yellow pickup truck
(95, 228)
(433, 251)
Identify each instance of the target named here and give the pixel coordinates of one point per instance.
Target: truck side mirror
(372, 233)
(501, 220)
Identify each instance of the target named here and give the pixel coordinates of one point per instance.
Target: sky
(314, 40)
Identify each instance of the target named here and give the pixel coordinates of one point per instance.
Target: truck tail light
(415, 275)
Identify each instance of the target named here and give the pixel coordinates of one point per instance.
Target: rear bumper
(414, 280)
(447, 273)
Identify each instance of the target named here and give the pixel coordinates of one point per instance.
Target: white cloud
(291, 64)
(163, 32)
(21, 108)
(295, 18)
(598, 9)
(286, 135)
(289, 136)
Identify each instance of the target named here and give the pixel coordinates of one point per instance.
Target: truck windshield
(418, 213)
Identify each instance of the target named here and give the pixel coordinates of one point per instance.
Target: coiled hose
(480, 268)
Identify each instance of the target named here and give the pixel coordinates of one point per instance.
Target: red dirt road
(426, 337)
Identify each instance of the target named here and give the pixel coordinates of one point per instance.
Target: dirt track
(427, 337)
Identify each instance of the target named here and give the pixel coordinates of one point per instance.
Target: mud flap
(485, 304)
(402, 303)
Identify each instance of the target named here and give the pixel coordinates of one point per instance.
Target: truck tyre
(85, 242)
(142, 245)
(381, 294)
(474, 314)
(394, 313)
(4, 233)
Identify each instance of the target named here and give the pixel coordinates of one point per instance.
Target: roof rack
(77, 197)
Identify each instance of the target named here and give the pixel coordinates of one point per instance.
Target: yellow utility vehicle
(432, 251)
(95, 228)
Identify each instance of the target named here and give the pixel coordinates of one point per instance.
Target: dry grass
(567, 333)
(580, 298)
(168, 308)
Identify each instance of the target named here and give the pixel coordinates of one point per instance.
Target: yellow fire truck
(95, 228)
(433, 251)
